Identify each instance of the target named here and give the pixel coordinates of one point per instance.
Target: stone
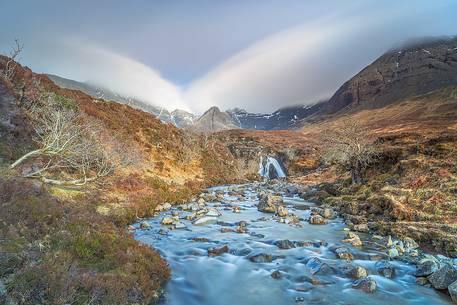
(268, 203)
(366, 284)
(200, 239)
(410, 244)
(361, 228)
(236, 209)
(316, 266)
(241, 229)
(389, 242)
(261, 258)
(422, 281)
(201, 201)
(281, 211)
(218, 251)
(227, 230)
(385, 269)
(213, 213)
(284, 244)
(426, 267)
(343, 253)
(166, 206)
(205, 220)
(276, 275)
(392, 252)
(317, 220)
(328, 213)
(167, 221)
(354, 271)
(444, 277)
(144, 225)
(353, 239)
(453, 291)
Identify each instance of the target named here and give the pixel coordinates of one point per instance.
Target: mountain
(214, 120)
(284, 118)
(179, 118)
(415, 69)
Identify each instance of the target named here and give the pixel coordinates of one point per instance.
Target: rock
(422, 281)
(236, 209)
(343, 253)
(131, 228)
(389, 242)
(354, 271)
(361, 228)
(205, 220)
(281, 211)
(144, 225)
(410, 244)
(200, 239)
(276, 275)
(166, 206)
(167, 221)
(268, 203)
(227, 230)
(179, 225)
(317, 220)
(261, 258)
(392, 252)
(241, 229)
(218, 251)
(426, 267)
(453, 291)
(353, 239)
(212, 212)
(385, 269)
(201, 201)
(316, 266)
(284, 244)
(366, 284)
(444, 277)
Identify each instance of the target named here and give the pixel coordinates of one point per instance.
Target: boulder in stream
(317, 220)
(453, 291)
(426, 267)
(218, 251)
(354, 271)
(444, 277)
(268, 203)
(317, 266)
(205, 220)
(353, 239)
(284, 244)
(366, 284)
(261, 258)
(385, 268)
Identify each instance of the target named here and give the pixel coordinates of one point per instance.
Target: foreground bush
(55, 253)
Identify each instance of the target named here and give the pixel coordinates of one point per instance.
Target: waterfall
(269, 163)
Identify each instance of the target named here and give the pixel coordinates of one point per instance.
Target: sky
(258, 55)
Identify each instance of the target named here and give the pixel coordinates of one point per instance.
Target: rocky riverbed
(262, 244)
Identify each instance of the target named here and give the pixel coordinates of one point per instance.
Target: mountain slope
(400, 73)
(179, 118)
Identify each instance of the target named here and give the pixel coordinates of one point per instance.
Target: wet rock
(236, 209)
(385, 269)
(389, 242)
(268, 203)
(444, 277)
(343, 253)
(144, 225)
(302, 243)
(410, 244)
(258, 235)
(453, 291)
(354, 271)
(284, 244)
(218, 251)
(166, 206)
(422, 281)
(261, 258)
(276, 275)
(361, 228)
(317, 220)
(426, 267)
(212, 212)
(393, 252)
(227, 230)
(281, 211)
(316, 266)
(241, 252)
(241, 229)
(205, 220)
(201, 201)
(200, 239)
(366, 284)
(353, 239)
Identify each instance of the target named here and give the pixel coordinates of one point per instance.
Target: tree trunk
(25, 157)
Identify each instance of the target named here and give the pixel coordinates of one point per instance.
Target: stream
(253, 269)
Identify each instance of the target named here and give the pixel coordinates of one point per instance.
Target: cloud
(306, 63)
(91, 63)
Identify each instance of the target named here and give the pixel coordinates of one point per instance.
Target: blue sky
(258, 55)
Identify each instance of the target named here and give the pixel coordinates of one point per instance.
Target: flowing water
(266, 165)
(232, 279)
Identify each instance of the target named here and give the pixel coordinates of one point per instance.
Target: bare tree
(70, 149)
(13, 58)
(351, 147)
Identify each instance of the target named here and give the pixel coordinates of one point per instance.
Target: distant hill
(179, 118)
(214, 120)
